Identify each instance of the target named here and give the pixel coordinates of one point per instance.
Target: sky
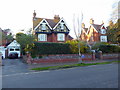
(17, 14)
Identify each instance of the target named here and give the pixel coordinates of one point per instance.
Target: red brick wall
(111, 56)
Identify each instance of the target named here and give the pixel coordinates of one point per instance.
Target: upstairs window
(42, 37)
(43, 27)
(103, 31)
(61, 37)
(62, 26)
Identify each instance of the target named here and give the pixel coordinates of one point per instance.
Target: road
(97, 76)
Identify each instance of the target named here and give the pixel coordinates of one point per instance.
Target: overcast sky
(17, 14)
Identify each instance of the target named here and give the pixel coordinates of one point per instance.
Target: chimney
(110, 23)
(34, 15)
(57, 17)
(102, 22)
(83, 25)
(91, 21)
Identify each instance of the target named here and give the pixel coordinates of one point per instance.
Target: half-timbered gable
(50, 30)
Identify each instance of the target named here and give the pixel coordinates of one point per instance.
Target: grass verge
(70, 66)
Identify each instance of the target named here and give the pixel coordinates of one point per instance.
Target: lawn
(70, 66)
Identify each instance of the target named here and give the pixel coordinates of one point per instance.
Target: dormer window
(43, 26)
(103, 31)
(62, 26)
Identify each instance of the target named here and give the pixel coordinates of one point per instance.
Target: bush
(109, 48)
(106, 47)
(74, 46)
(97, 45)
(50, 48)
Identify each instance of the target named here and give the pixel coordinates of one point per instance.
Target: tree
(77, 23)
(113, 32)
(26, 41)
(7, 36)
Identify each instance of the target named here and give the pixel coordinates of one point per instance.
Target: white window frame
(60, 37)
(62, 25)
(42, 37)
(103, 31)
(103, 38)
(43, 26)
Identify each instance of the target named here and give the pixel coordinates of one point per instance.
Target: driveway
(14, 66)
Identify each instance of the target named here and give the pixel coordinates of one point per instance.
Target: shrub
(74, 46)
(97, 45)
(109, 48)
(50, 48)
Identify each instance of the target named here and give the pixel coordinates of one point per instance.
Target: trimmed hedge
(50, 48)
(109, 48)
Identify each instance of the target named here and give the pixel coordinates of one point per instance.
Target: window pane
(43, 26)
(61, 37)
(103, 38)
(42, 37)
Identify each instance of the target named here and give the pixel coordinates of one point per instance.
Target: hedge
(50, 48)
(109, 48)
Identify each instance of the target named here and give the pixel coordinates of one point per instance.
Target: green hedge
(50, 48)
(109, 48)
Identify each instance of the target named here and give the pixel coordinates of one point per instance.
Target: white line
(23, 73)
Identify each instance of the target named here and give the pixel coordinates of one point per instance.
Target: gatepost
(100, 55)
(93, 55)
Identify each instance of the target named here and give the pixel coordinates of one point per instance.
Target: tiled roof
(97, 27)
(69, 37)
(36, 22)
(86, 29)
(51, 22)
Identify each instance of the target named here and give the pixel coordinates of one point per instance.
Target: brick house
(95, 32)
(50, 30)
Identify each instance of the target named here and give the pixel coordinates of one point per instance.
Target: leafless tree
(77, 22)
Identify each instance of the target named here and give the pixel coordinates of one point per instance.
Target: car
(13, 55)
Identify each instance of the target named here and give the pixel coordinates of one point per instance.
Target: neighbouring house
(50, 30)
(95, 33)
(13, 47)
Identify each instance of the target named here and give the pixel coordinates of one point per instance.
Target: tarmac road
(97, 76)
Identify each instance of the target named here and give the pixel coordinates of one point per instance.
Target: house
(13, 47)
(95, 33)
(50, 30)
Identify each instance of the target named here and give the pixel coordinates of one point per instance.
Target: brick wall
(110, 56)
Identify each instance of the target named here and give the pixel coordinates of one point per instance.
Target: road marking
(23, 73)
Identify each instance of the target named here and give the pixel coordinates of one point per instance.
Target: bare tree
(77, 23)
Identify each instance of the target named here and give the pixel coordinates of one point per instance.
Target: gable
(40, 23)
(14, 43)
(60, 24)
